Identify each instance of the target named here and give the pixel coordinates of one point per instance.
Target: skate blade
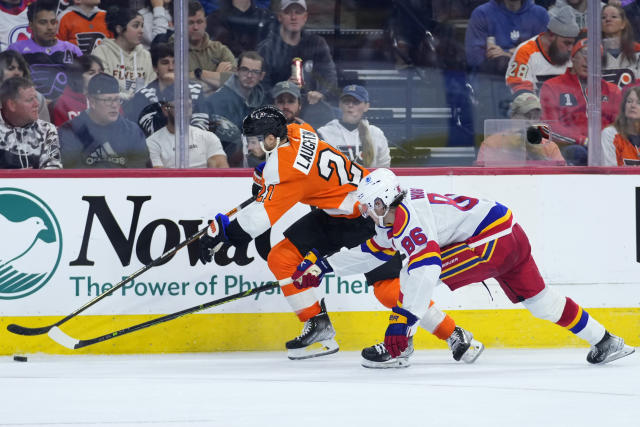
(473, 352)
(625, 351)
(398, 362)
(321, 348)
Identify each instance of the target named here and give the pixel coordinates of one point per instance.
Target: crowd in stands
(90, 83)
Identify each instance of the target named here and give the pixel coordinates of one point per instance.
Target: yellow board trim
(269, 331)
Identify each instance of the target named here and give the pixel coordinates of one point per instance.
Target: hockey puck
(20, 358)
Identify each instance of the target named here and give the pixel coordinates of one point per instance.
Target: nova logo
(31, 243)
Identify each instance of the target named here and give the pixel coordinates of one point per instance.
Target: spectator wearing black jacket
(240, 25)
(290, 41)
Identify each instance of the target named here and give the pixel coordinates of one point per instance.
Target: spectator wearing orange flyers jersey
(621, 140)
(84, 25)
(543, 56)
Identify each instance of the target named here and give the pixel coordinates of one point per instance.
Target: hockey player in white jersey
(459, 240)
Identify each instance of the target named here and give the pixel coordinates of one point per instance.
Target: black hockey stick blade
(65, 340)
(27, 331)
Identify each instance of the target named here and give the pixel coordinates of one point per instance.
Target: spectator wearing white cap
(353, 135)
(289, 42)
(507, 147)
(545, 55)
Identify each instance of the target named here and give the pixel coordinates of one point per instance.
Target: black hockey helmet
(267, 120)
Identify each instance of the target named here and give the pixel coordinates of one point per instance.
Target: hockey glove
(396, 339)
(216, 235)
(311, 271)
(258, 181)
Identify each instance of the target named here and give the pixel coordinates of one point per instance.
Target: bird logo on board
(31, 243)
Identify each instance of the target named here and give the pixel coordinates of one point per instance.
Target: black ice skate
(378, 357)
(318, 330)
(463, 346)
(608, 349)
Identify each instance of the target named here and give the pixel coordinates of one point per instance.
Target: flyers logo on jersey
(306, 151)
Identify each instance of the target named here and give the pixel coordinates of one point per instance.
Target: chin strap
(268, 152)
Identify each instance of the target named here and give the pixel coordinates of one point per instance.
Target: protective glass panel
(400, 83)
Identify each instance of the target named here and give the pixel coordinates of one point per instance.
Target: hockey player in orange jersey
(302, 168)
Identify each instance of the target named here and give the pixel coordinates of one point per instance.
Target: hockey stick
(63, 339)
(24, 330)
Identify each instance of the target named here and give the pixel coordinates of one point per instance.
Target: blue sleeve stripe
(382, 256)
(434, 260)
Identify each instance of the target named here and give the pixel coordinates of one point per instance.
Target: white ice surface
(505, 387)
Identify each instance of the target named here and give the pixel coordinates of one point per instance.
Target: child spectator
(157, 17)
(124, 57)
(84, 25)
(73, 100)
(621, 140)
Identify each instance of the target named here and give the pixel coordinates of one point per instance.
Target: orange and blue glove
(311, 270)
(215, 237)
(396, 338)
